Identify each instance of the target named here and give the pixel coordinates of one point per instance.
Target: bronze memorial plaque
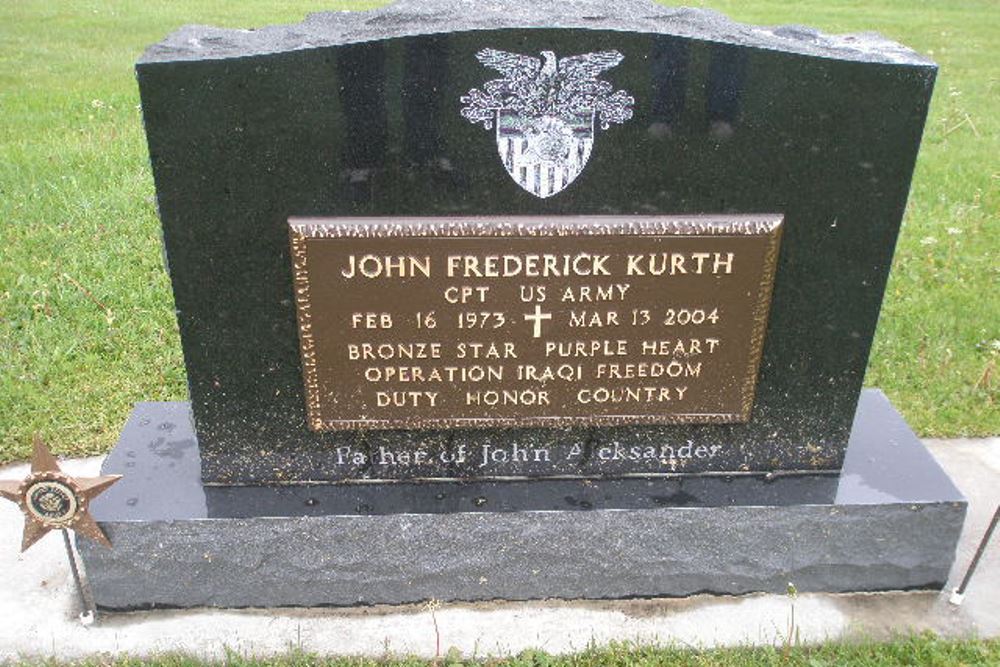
(531, 321)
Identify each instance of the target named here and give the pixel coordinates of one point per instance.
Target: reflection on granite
(158, 455)
(891, 522)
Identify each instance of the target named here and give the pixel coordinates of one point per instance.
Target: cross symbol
(537, 318)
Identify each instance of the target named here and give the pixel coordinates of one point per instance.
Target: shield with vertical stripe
(545, 111)
(544, 155)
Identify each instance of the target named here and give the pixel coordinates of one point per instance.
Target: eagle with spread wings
(548, 86)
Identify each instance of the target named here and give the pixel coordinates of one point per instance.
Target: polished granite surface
(158, 455)
(742, 120)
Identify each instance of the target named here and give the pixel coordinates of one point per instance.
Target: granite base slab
(890, 521)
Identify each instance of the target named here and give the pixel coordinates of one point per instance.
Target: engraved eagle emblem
(544, 111)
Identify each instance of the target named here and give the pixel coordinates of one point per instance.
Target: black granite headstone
(326, 188)
(392, 114)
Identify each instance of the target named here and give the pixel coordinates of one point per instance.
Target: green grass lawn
(923, 650)
(86, 321)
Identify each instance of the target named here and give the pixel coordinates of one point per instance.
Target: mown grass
(925, 650)
(86, 322)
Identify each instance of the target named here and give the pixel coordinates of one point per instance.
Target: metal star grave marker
(50, 500)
